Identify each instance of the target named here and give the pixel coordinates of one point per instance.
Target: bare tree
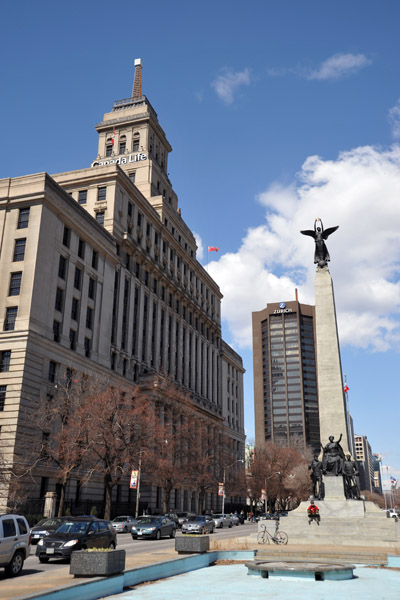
(281, 470)
(118, 423)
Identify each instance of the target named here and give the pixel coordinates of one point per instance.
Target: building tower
(101, 276)
(285, 380)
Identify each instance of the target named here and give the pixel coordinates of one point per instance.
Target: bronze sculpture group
(334, 463)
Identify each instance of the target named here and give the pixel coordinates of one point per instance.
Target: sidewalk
(29, 585)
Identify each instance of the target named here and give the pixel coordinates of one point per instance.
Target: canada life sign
(121, 160)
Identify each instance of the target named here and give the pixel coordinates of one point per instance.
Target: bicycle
(279, 537)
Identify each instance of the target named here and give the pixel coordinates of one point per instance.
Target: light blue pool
(231, 581)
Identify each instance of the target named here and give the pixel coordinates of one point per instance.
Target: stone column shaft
(332, 409)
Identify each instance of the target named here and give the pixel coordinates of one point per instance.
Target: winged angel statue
(321, 254)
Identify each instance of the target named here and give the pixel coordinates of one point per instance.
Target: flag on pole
(393, 480)
(346, 387)
(113, 136)
(213, 249)
(220, 489)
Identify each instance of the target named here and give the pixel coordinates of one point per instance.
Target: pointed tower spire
(137, 82)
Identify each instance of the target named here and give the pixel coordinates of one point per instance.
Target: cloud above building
(339, 65)
(228, 83)
(394, 120)
(359, 191)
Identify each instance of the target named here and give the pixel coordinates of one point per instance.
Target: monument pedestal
(343, 522)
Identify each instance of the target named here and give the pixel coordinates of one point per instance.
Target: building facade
(365, 461)
(285, 375)
(100, 275)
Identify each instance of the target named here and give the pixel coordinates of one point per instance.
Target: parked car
(199, 524)
(183, 517)
(235, 519)
(123, 524)
(153, 527)
(15, 540)
(45, 527)
(222, 520)
(76, 533)
(173, 516)
(392, 512)
(266, 516)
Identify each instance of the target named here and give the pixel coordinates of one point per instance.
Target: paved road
(132, 547)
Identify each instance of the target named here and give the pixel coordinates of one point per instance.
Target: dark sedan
(76, 534)
(45, 527)
(153, 527)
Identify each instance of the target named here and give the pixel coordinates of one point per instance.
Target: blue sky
(277, 112)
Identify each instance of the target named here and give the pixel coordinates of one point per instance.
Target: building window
(59, 299)
(56, 331)
(52, 371)
(101, 194)
(15, 283)
(74, 309)
(23, 218)
(66, 236)
(132, 176)
(87, 347)
(91, 289)
(100, 217)
(109, 150)
(122, 147)
(3, 389)
(62, 267)
(81, 249)
(72, 339)
(136, 139)
(77, 278)
(89, 317)
(5, 358)
(19, 250)
(130, 209)
(11, 315)
(82, 196)
(139, 219)
(95, 259)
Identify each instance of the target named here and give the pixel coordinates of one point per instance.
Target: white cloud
(394, 119)
(340, 65)
(200, 248)
(359, 191)
(228, 82)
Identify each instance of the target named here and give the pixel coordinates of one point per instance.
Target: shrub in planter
(98, 562)
(192, 544)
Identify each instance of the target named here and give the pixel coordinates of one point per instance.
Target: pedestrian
(313, 513)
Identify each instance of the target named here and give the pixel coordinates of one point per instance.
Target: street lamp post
(223, 480)
(265, 484)
(138, 484)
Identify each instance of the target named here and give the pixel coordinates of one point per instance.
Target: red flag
(346, 387)
(213, 249)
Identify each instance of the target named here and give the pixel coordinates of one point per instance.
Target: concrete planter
(187, 544)
(97, 564)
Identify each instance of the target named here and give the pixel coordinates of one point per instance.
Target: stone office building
(99, 274)
(285, 375)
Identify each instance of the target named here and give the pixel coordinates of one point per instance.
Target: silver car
(199, 524)
(14, 543)
(123, 524)
(222, 520)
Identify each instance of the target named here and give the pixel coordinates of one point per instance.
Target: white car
(15, 540)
